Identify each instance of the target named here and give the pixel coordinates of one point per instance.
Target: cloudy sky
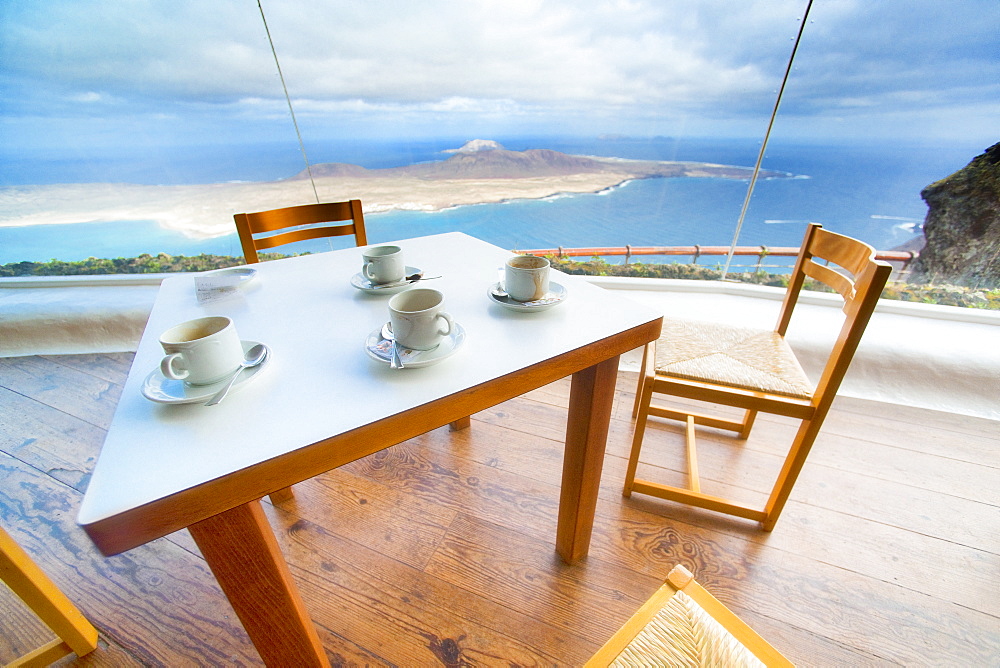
(77, 73)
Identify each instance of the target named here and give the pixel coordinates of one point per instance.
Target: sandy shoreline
(206, 211)
(477, 177)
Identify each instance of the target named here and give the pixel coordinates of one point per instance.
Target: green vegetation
(144, 264)
(950, 295)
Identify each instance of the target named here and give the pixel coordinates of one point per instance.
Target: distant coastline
(481, 172)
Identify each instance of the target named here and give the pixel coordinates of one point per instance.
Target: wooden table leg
(461, 423)
(591, 398)
(244, 556)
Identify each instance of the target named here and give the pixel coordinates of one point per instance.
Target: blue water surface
(863, 190)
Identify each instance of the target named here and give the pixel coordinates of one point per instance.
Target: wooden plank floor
(440, 551)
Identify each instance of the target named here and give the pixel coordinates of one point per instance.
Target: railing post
(761, 256)
(697, 253)
(628, 254)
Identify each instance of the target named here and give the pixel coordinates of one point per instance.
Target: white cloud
(631, 60)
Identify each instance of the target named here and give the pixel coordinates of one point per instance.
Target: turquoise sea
(864, 190)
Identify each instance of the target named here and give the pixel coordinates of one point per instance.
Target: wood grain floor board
(378, 517)
(50, 440)
(77, 393)
(440, 551)
(112, 367)
(887, 486)
(21, 631)
(400, 613)
(157, 601)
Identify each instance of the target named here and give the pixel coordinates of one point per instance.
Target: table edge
(123, 531)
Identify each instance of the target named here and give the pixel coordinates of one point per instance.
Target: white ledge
(95, 280)
(914, 309)
(925, 355)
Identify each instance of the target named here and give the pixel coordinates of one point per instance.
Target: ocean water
(868, 191)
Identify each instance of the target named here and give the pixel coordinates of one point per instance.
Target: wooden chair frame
(39, 593)
(681, 579)
(269, 223)
(860, 291)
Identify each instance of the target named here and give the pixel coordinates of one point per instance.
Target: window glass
(142, 127)
(883, 99)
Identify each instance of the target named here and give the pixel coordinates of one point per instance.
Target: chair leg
(747, 424)
(694, 478)
(794, 461)
(642, 382)
(645, 397)
(39, 593)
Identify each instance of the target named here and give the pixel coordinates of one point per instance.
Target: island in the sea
(480, 172)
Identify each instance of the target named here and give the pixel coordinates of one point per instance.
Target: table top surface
(320, 381)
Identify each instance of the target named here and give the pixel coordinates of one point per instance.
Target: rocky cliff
(962, 228)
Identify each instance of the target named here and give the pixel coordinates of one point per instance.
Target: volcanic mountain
(501, 163)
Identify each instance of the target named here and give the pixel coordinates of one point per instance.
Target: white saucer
(243, 274)
(361, 283)
(556, 295)
(163, 390)
(378, 349)
(213, 286)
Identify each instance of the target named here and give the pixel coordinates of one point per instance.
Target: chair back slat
(851, 254)
(293, 216)
(830, 277)
(303, 234)
(251, 225)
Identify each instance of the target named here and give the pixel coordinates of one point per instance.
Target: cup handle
(366, 268)
(447, 319)
(168, 370)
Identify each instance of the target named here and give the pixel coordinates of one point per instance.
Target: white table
(323, 402)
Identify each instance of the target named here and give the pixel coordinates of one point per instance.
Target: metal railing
(903, 258)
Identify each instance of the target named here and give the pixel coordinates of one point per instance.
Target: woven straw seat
(755, 370)
(751, 359)
(682, 624)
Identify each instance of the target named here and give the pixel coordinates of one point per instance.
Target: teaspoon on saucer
(395, 361)
(412, 278)
(254, 357)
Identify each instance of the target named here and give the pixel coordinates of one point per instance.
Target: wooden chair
(262, 229)
(39, 593)
(756, 370)
(684, 625)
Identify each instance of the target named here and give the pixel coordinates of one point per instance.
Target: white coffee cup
(417, 320)
(383, 264)
(526, 277)
(201, 351)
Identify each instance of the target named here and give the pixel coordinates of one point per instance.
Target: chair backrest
(261, 230)
(859, 281)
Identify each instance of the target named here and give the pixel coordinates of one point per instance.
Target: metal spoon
(254, 357)
(412, 278)
(395, 361)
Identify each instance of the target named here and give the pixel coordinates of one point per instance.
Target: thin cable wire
(763, 146)
(298, 134)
